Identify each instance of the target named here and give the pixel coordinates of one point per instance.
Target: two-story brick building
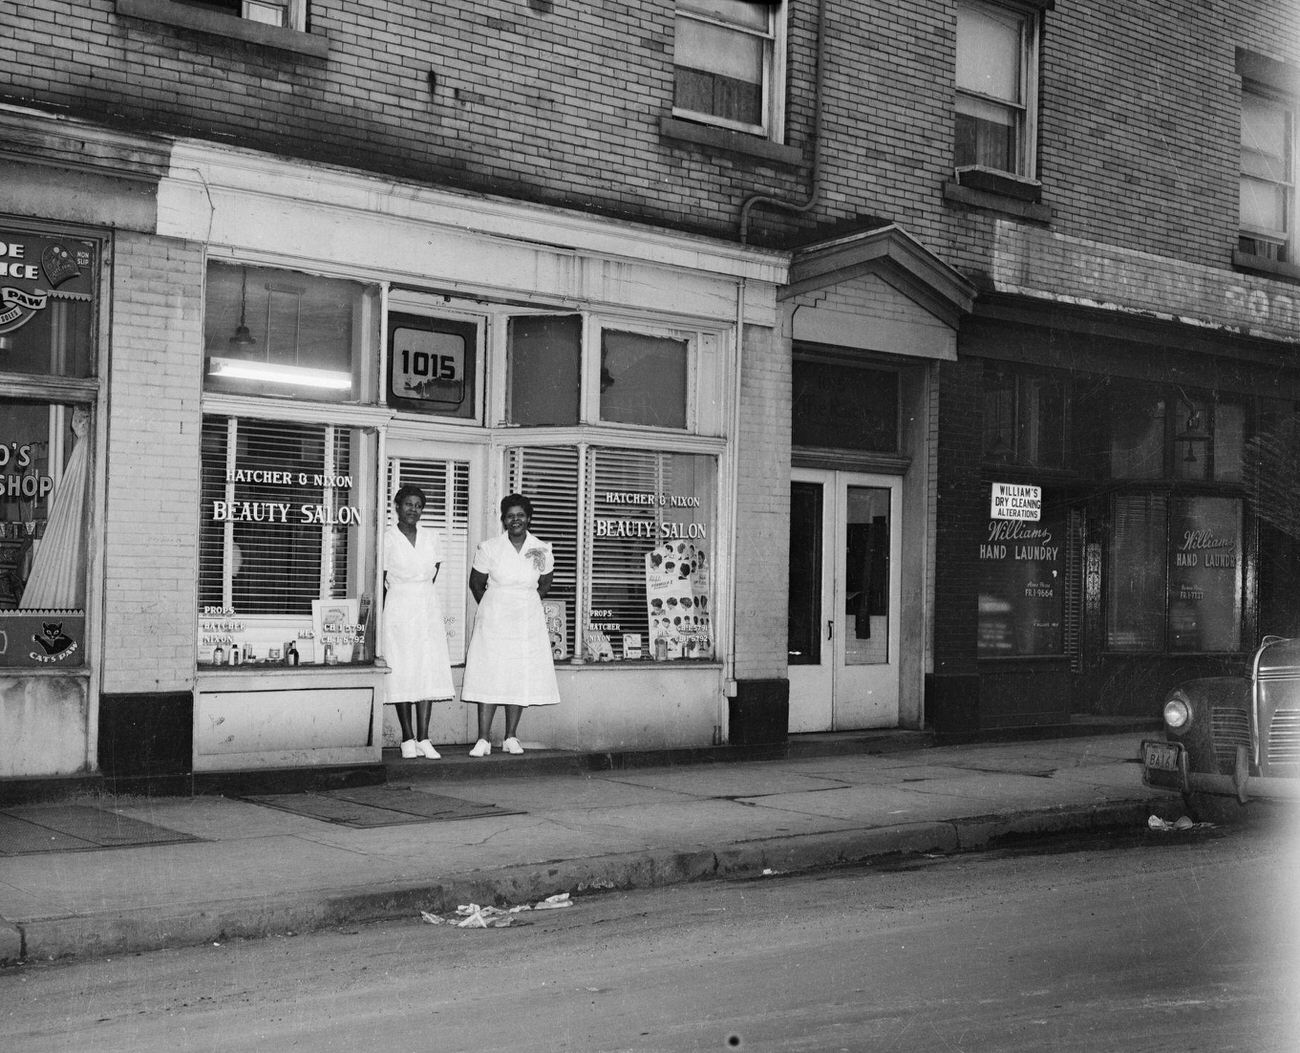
(780, 294)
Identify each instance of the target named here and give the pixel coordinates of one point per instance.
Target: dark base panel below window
(759, 715)
(146, 735)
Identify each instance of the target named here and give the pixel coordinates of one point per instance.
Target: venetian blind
(268, 489)
(548, 477)
(446, 512)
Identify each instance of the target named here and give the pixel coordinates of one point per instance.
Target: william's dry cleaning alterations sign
(1013, 501)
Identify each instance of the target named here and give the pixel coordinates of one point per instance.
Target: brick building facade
(879, 230)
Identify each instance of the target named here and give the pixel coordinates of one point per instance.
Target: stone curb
(149, 929)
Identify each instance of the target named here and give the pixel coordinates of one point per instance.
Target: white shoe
(511, 745)
(481, 748)
(410, 749)
(426, 750)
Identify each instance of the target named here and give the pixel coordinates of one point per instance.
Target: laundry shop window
(285, 334)
(287, 541)
(1174, 575)
(634, 541)
(1025, 418)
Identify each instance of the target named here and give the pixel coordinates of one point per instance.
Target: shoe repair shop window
(287, 542)
(633, 536)
(286, 334)
(1173, 433)
(48, 336)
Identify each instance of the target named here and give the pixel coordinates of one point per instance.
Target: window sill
(1243, 261)
(728, 142)
(222, 25)
(995, 201)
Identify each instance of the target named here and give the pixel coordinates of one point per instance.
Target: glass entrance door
(844, 601)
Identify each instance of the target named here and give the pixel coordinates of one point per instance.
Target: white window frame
(1284, 239)
(287, 14)
(1029, 21)
(704, 372)
(773, 105)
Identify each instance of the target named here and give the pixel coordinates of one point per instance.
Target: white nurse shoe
(410, 749)
(511, 745)
(481, 748)
(426, 750)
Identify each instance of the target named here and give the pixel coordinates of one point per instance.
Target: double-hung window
(728, 67)
(287, 14)
(997, 77)
(1267, 223)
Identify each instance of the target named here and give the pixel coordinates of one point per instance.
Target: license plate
(1161, 756)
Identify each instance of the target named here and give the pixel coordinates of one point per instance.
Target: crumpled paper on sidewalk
(1181, 823)
(472, 916)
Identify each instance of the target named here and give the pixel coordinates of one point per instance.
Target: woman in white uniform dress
(509, 661)
(415, 634)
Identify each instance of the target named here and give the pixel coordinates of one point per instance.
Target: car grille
(1284, 738)
(1231, 728)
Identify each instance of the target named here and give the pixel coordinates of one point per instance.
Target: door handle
(830, 630)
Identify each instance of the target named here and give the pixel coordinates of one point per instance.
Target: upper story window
(728, 63)
(288, 14)
(1267, 176)
(997, 77)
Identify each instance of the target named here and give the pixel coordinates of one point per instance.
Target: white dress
(415, 634)
(509, 660)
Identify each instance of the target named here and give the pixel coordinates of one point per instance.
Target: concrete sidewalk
(250, 870)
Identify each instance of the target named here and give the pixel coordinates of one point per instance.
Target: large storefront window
(1022, 587)
(286, 560)
(286, 334)
(48, 334)
(633, 537)
(1175, 573)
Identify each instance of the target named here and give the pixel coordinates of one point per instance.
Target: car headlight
(1177, 714)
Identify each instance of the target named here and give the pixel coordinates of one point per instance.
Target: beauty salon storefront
(349, 348)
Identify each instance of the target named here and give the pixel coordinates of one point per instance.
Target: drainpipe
(813, 195)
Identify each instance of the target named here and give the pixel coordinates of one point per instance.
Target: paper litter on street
(1181, 823)
(473, 916)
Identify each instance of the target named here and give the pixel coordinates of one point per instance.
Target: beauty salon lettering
(285, 512)
(646, 528)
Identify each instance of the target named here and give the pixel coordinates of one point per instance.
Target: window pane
(1137, 435)
(1135, 585)
(1041, 422)
(643, 379)
(548, 476)
(1022, 595)
(1192, 439)
(1229, 442)
(987, 135)
(45, 468)
(432, 365)
(542, 360)
(282, 522)
(651, 555)
(988, 52)
(845, 406)
(48, 289)
(282, 333)
(804, 627)
(1263, 206)
(719, 72)
(1265, 138)
(734, 12)
(1205, 577)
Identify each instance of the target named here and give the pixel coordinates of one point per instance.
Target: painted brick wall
(150, 533)
(763, 507)
(560, 102)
